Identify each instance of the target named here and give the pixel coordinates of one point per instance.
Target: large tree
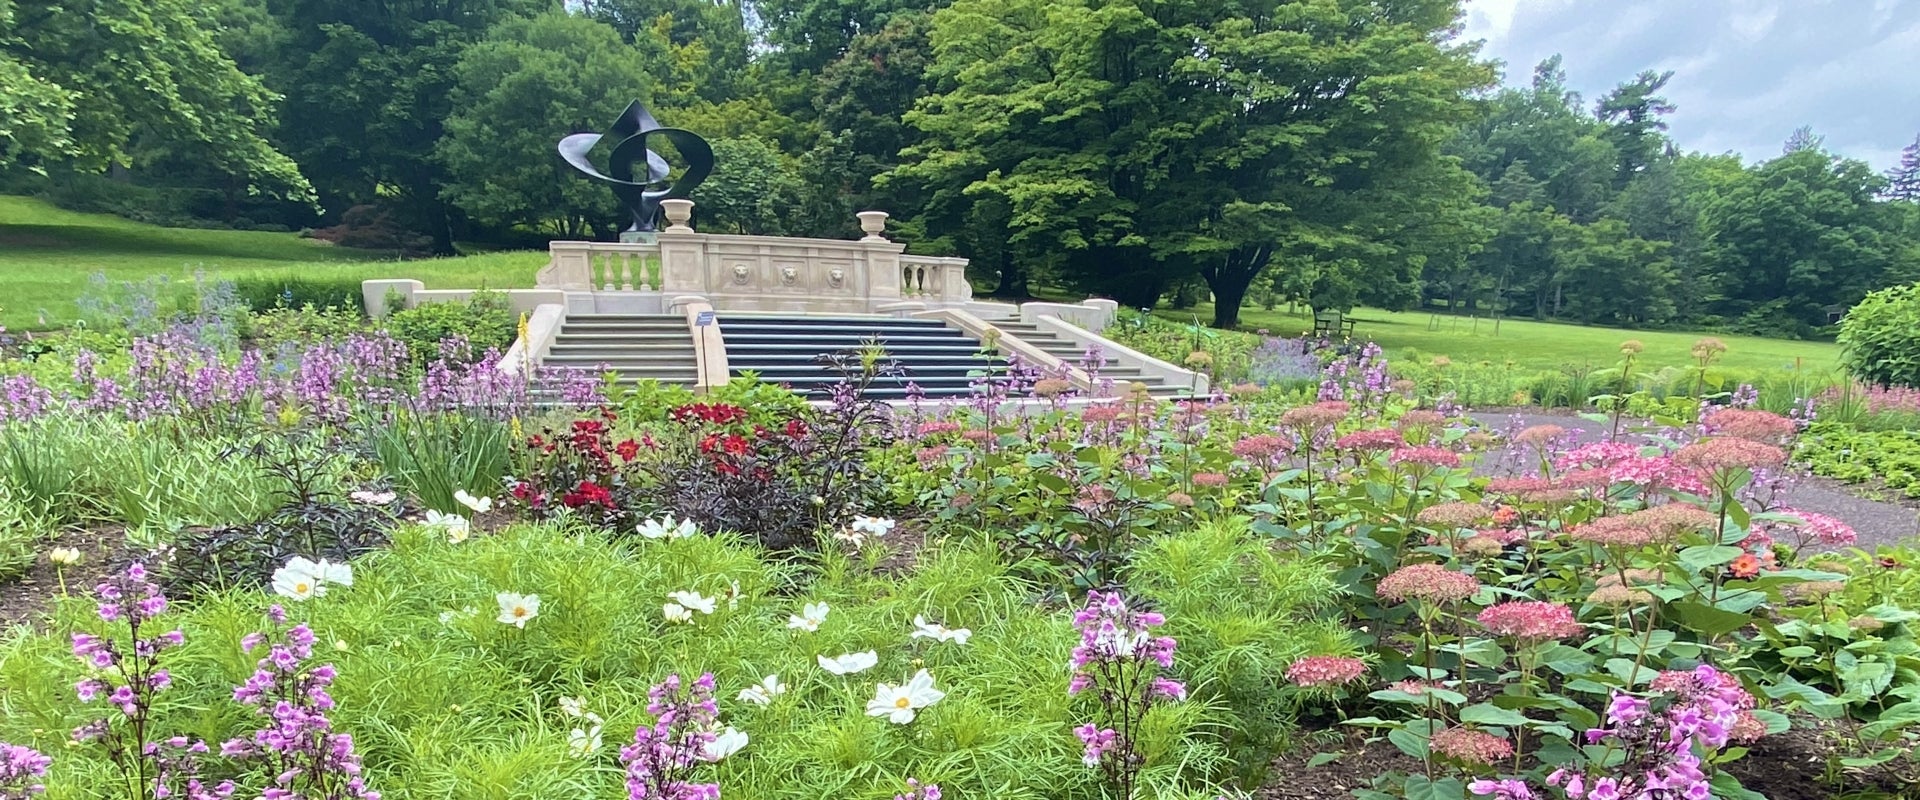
(1903, 179)
(94, 83)
(1145, 142)
(1635, 113)
(530, 82)
(373, 84)
(1796, 237)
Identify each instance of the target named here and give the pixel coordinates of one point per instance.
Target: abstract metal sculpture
(641, 195)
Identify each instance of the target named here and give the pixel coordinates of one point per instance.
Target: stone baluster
(626, 272)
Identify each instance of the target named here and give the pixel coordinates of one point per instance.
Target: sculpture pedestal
(639, 237)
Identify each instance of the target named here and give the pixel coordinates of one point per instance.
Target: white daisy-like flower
(479, 505)
(922, 629)
(667, 528)
(329, 572)
(455, 526)
(573, 706)
(583, 742)
(849, 663)
(900, 703)
(298, 580)
(725, 743)
(518, 609)
(810, 617)
(876, 527)
(694, 601)
(762, 693)
(674, 612)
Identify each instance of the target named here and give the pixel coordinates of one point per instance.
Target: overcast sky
(1746, 72)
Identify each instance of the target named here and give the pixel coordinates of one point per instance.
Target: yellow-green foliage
(468, 708)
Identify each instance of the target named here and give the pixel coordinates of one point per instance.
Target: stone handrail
(935, 278)
(1009, 344)
(709, 344)
(1121, 354)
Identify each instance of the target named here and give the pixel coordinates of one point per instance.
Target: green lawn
(47, 255)
(1539, 345)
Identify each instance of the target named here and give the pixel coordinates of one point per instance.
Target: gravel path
(1876, 522)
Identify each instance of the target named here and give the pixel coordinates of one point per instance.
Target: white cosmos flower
(329, 572)
(850, 663)
(899, 703)
(573, 707)
(876, 527)
(762, 693)
(695, 601)
(725, 743)
(516, 609)
(732, 594)
(810, 617)
(456, 527)
(922, 629)
(667, 528)
(674, 612)
(298, 581)
(582, 743)
(479, 505)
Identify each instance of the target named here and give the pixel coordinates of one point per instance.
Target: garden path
(1877, 522)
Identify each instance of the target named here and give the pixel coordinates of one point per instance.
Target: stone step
(901, 351)
(626, 339)
(828, 344)
(624, 330)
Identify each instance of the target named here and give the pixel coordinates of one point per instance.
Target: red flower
(628, 449)
(796, 429)
(587, 493)
(710, 443)
(1746, 566)
(588, 426)
(734, 444)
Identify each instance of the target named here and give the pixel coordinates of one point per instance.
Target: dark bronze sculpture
(641, 196)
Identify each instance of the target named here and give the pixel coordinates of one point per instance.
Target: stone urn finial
(873, 222)
(679, 213)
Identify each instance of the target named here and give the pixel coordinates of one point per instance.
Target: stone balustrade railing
(752, 273)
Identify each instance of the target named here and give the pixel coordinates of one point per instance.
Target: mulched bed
(27, 599)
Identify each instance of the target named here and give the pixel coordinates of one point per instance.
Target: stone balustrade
(752, 273)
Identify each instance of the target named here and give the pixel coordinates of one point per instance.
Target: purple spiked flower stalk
(298, 747)
(661, 761)
(1120, 662)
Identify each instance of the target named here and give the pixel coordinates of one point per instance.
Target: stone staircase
(941, 361)
(936, 358)
(1075, 354)
(638, 346)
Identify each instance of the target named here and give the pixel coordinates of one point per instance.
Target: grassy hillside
(47, 255)
(1540, 345)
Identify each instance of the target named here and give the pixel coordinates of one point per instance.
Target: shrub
(484, 321)
(1880, 337)
(432, 455)
(263, 293)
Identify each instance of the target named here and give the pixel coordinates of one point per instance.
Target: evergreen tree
(1802, 138)
(1903, 180)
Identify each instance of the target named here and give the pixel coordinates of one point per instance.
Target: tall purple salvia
(1120, 662)
(21, 769)
(661, 761)
(125, 675)
(299, 748)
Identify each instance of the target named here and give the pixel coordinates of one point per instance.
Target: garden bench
(1332, 323)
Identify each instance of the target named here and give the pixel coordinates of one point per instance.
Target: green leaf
(1707, 619)
(1320, 759)
(1490, 714)
(1704, 557)
(1796, 651)
(1418, 787)
(1409, 742)
(1727, 787)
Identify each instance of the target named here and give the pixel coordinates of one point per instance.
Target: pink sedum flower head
(1530, 620)
(1470, 746)
(1426, 456)
(1430, 582)
(1325, 671)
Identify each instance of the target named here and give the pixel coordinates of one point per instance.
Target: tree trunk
(1013, 277)
(1227, 297)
